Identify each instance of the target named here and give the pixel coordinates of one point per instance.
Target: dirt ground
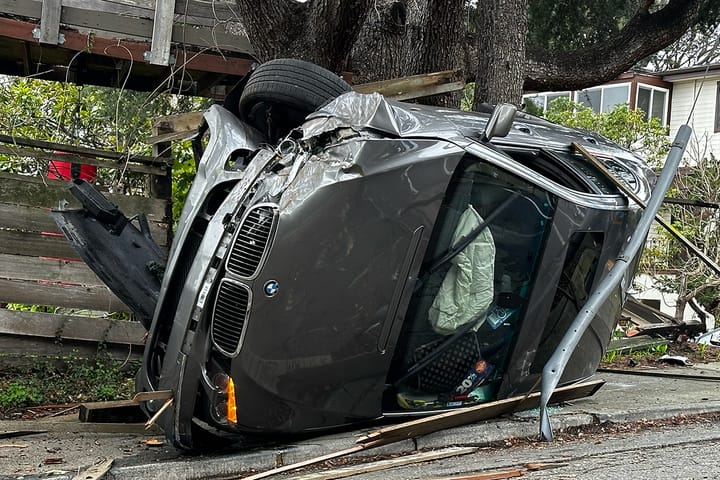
(695, 354)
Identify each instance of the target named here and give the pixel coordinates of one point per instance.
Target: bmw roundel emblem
(271, 288)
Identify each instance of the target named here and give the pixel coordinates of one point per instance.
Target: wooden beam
(162, 32)
(416, 86)
(50, 21)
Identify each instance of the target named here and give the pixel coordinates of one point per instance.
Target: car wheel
(281, 93)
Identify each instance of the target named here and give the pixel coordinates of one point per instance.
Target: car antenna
(555, 366)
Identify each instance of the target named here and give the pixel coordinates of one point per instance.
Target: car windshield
(468, 305)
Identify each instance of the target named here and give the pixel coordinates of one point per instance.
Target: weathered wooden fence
(39, 267)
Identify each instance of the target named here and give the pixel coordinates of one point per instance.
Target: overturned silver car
(380, 258)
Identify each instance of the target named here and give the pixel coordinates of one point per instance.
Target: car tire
(282, 92)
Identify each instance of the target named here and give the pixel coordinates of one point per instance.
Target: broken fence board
(477, 413)
(71, 327)
(387, 464)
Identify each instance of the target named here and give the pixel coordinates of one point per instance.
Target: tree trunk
(444, 31)
(319, 31)
(382, 49)
(501, 52)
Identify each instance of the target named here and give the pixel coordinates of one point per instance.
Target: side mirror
(500, 121)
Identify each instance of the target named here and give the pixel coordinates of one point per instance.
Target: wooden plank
(162, 32)
(50, 21)
(95, 472)
(46, 269)
(180, 122)
(171, 137)
(36, 244)
(35, 219)
(80, 151)
(415, 86)
(71, 327)
(47, 193)
(32, 219)
(212, 37)
(218, 10)
(138, 9)
(488, 475)
(387, 464)
(116, 411)
(307, 463)
(25, 8)
(20, 351)
(48, 157)
(148, 4)
(130, 49)
(477, 413)
(93, 297)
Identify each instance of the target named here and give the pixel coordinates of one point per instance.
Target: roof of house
(689, 73)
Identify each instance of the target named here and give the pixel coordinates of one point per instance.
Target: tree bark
(319, 31)
(501, 52)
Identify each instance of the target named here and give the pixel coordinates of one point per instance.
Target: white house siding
(702, 121)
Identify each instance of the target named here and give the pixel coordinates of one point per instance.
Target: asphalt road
(690, 451)
(686, 451)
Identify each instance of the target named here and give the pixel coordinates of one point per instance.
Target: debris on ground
(676, 360)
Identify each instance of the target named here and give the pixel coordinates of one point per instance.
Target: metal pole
(555, 367)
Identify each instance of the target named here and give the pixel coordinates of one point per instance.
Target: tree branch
(643, 35)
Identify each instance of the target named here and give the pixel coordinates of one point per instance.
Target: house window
(605, 98)
(544, 99)
(652, 101)
(717, 108)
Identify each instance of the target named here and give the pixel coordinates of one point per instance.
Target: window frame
(717, 108)
(576, 93)
(653, 88)
(545, 103)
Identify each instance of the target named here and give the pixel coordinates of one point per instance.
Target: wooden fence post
(160, 186)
